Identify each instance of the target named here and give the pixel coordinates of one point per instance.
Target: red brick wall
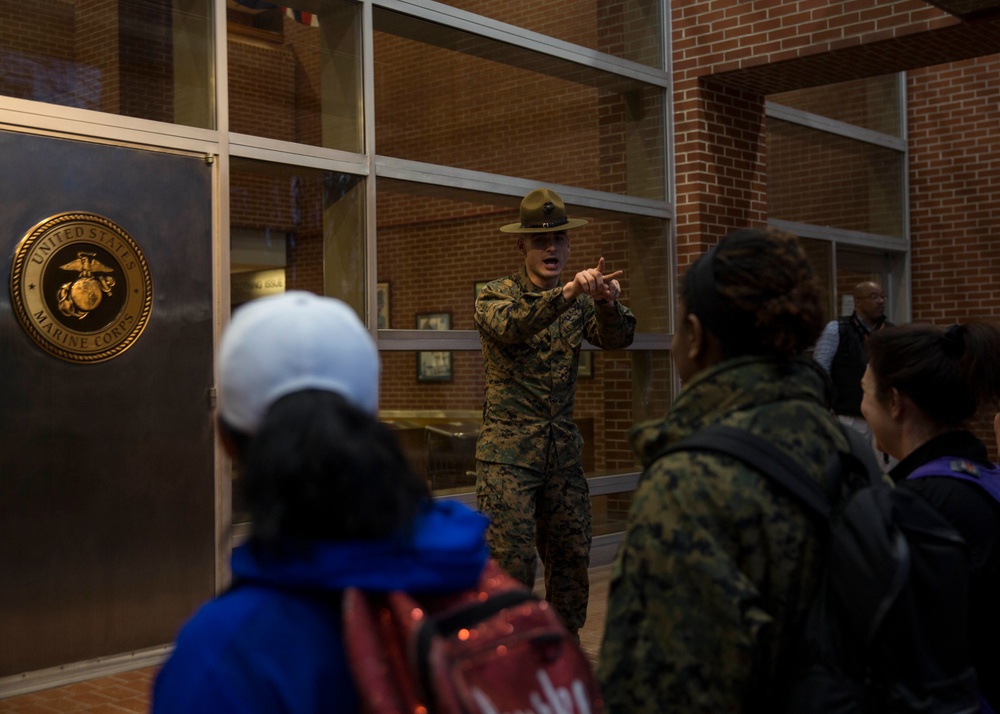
(755, 49)
(953, 117)
(761, 48)
(719, 134)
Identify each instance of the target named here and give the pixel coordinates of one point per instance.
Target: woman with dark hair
(333, 503)
(922, 387)
(717, 568)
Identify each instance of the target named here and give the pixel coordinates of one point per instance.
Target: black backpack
(887, 630)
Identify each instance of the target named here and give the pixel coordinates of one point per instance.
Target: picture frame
(382, 301)
(434, 366)
(478, 288)
(585, 367)
(434, 321)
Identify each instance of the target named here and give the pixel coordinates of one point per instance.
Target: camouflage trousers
(549, 512)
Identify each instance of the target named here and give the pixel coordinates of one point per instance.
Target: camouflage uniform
(529, 460)
(717, 567)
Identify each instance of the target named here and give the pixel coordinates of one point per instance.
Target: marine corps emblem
(80, 287)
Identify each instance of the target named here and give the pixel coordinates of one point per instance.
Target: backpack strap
(986, 477)
(861, 459)
(761, 455)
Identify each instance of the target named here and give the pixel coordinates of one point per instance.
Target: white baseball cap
(287, 343)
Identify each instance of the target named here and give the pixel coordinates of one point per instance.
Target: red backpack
(493, 649)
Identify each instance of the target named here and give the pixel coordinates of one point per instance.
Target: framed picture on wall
(434, 321)
(585, 368)
(382, 300)
(478, 288)
(434, 366)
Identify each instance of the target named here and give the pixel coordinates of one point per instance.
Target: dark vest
(849, 363)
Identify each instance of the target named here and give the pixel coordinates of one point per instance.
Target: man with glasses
(842, 351)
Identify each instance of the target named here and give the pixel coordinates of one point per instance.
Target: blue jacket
(274, 642)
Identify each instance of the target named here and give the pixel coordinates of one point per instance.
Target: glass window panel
(653, 385)
(296, 76)
(630, 29)
(454, 236)
(872, 103)
(820, 254)
(610, 512)
(855, 265)
(149, 59)
(448, 98)
(829, 180)
(295, 228)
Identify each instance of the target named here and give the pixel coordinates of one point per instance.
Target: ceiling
(967, 9)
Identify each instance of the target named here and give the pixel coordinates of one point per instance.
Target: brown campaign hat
(542, 211)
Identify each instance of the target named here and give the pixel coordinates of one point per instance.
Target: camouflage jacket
(531, 346)
(716, 568)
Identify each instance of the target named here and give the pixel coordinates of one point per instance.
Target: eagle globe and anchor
(78, 298)
(81, 287)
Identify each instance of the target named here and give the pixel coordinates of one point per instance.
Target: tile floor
(113, 694)
(129, 691)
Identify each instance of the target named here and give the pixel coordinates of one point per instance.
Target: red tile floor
(113, 694)
(129, 691)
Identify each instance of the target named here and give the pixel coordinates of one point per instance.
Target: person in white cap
(334, 504)
(529, 455)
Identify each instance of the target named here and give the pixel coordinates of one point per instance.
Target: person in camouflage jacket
(529, 461)
(717, 567)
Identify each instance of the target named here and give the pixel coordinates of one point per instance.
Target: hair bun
(954, 340)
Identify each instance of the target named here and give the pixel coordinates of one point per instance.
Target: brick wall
(727, 56)
(760, 48)
(953, 115)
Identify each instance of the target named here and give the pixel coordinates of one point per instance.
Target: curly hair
(757, 292)
(948, 373)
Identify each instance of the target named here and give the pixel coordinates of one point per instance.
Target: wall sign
(80, 287)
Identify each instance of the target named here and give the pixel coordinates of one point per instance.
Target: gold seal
(81, 287)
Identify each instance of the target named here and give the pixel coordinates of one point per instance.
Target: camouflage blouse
(531, 346)
(716, 568)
